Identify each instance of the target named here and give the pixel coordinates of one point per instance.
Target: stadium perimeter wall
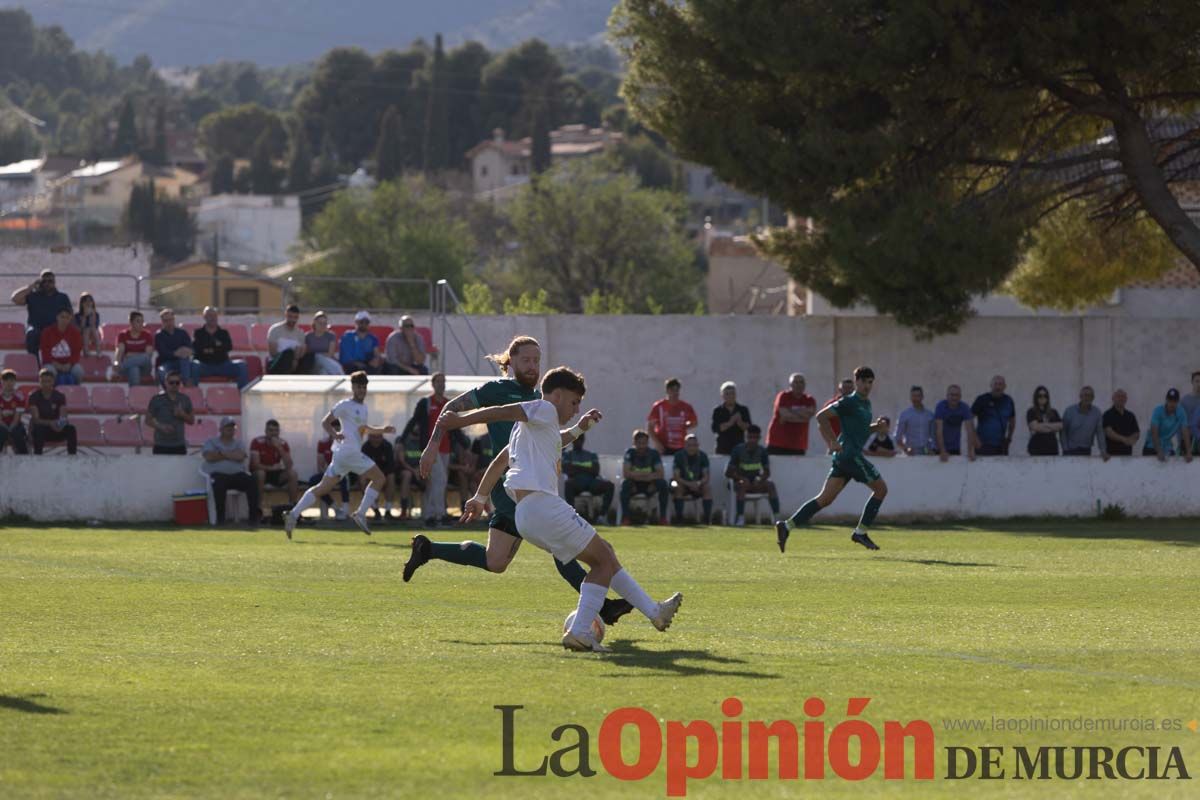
(626, 359)
(138, 488)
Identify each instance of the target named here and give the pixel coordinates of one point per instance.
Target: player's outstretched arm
(453, 420)
(590, 418)
(477, 505)
(464, 402)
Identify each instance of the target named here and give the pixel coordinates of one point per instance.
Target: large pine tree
(435, 150)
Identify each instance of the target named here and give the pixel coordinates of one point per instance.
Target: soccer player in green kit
(521, 361)
(854, 412)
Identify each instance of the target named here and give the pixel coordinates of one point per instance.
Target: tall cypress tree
(389, 158)
(539, 159)
(264, 177)
(157, 152)
(299, 175)
(222, 175)
(435, 150)
(126, 142)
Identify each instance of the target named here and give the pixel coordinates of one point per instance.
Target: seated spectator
(1081, 424)
(1169, 434)
(408, 478)
(11, 404)
(729, 420)
(62, 348)
(1120, 426)
(996, 414)
(322, 344)
(1044, 424)
(949, 417)
(881, 444)
(461, 466)
(750, 470)
(787, 435)
(324, 459)
(690, 478)
(224, 461)
(174, 348)
(132, 356)
(378, 450)
(213, 345)
(271, 464)
(582, 470)
(87, 319)
(167, 413)
(405, 350)
(483, 451)
(42, 302)
(359, 349)
(48, 415)
(286, 351)
(670, 420)
(914, 429)
(1191, 407)
(642, 473)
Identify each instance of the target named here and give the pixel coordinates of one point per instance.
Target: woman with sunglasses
(1044, 424)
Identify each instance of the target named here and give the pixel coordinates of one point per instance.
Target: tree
(163, 222)
(477, 299)
(389, 148)
(530, 302)
(222, 175)
(236, 131)
(582, 229)
(157, 152)
(512, 84)
(654, 166)
(435, 149)
(265, 177)
(539, 145)
(464, 68)
(299, 172)
(402, 229)
(342, 101)
(928, 138)
(126, 142)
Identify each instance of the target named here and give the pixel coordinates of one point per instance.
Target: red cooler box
(191, 508)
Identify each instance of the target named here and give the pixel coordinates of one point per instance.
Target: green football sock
(469, 554)
(571, 572)
(805, 513)
(869, 512)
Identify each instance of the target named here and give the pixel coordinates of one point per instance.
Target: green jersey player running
(522, 361)
(854, 412)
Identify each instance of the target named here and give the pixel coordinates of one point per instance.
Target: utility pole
(216, 270)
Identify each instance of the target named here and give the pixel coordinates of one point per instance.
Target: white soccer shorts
(349, 460)
(548, 522)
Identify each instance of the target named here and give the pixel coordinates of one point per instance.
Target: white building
(498, 163)
(248, 229)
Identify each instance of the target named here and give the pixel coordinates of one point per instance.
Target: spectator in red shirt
(11, 404)
(134, 346)
(48, 415)
(62, 347)
(670, 420)
(425, 416)
(271, 463)
(788, 433)
(844, 390)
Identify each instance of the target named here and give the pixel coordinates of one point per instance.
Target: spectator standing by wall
(42, 302)
(671, 420)
(12, 402)
(750, 470)
(213, 344)
(167, 413)
(286, 351)
(62, 348)
(1169, 434)
(1120, 426)
(949, 418)
(405, 350)
(1083, 423)
(642, 473)
(322, 343)
(729, 420)
(134, 345)
(996, 415)
(359, 349)
(1044, 424)
(690, 478)
(787, 435)
(48, 415)
(174, 348)
(87, 319)
(224, 461)
(582, 469)
(914, 428)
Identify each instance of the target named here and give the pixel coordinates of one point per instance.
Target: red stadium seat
(426, 335)
(201, 432)
(139, 398)
(258, 336)
(254, 367)
(12, 336)
(78, 400)
(224, 400)
(24, 364)
(123, 432)
(338, 330)
(110, 399)
(109, 334)
(382, 332)
(196, 395)
(240, 336)
(95, 368)
(27, 389)
(87, 431)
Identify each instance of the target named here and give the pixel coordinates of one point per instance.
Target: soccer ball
(597, 626)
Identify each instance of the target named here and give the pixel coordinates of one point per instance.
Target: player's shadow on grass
(937, 562)
(28, 706)
(628, 655)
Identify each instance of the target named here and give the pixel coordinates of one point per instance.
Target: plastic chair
(201, 432)
(109, 334)
(755, 501)
(24, 364)
(12, 336)
(234, 500)
(123, 433)
(426, 335)
(254, 367)
(88, 432)
(224, 400)
(78, 400)
(110, 399)
(258, 336)
(240, 336)
(140, 397)
(196, 395)
(95, 368)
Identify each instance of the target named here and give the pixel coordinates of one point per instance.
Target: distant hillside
(278, 32)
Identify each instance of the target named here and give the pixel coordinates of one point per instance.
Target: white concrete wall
(138, 488)
(252, 229)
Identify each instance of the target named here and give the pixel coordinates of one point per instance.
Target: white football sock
(370, 495)
(307, 500)
(624, 585)
(591, 598)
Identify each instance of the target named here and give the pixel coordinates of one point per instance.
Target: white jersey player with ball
(351, 416)
(533, 460)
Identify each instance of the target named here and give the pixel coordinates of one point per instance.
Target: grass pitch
(192, 663)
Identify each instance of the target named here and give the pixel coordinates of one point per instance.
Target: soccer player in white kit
(347, 456)
(533, 459)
